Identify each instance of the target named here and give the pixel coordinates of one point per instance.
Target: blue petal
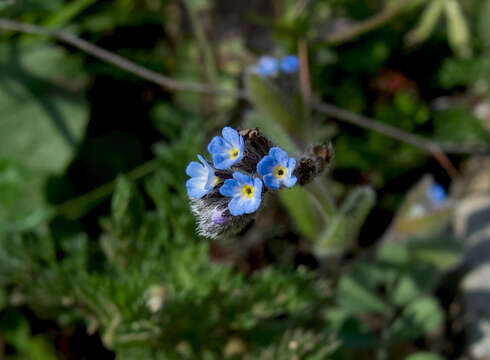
(229, 188)
(236, 206)
(436, 193)
(195, 188)
(232, 136)
(267, 66)
(218, 146)
(279, 154)
(241, 144)
(290, 181)
(266, 165)
(290, 64)
(194, 169)
(222, 161)
(291, 165)
(271, 181)
(253, 203)
(258, 187)
(201, 159)
(242, 178)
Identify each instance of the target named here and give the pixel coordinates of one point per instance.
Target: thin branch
(367, 25)
(427, 145)
(117, 60)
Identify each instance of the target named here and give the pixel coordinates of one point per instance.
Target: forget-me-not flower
(246, 193)
(202, 180)
(436, 194)
(267, 66)
(277, 169)
(227, 150)
(290, 64)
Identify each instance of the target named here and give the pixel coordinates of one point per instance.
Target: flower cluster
(226, 192)
(269, 66)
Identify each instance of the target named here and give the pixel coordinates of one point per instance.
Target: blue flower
(277, 169)
(290, 64)
(267, 66)
(227, 150)
(436, 194)
(245, 192)
(202, 179)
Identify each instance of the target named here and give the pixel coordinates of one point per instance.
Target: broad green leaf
(405, 291)
(354, 297)
(419, 318)
(41, 122)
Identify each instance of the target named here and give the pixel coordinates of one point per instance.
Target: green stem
(204, 45)
(78, 206)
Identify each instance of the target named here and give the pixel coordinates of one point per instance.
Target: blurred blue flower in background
(245, 192)
(277, 169)
(290, 64)
(202, 179)
(227, 150)
(436, 194)
(267, 66)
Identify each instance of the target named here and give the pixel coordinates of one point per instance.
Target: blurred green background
(98, 252)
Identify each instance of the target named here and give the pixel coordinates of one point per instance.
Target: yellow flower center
(280, 171)
(248, 191)
(234, 153)
(216, 181)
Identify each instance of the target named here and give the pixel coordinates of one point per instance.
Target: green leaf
(304, 213)
(458, 31)
(419, 318)
(69, 11)
(484, 24)
(272, 104)
(346, 225)
(127, 207)
(356, 298)
(22, 206)
(442, 252)
(427, 22)
(41, 123)
(424, 356)
(460, 125)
